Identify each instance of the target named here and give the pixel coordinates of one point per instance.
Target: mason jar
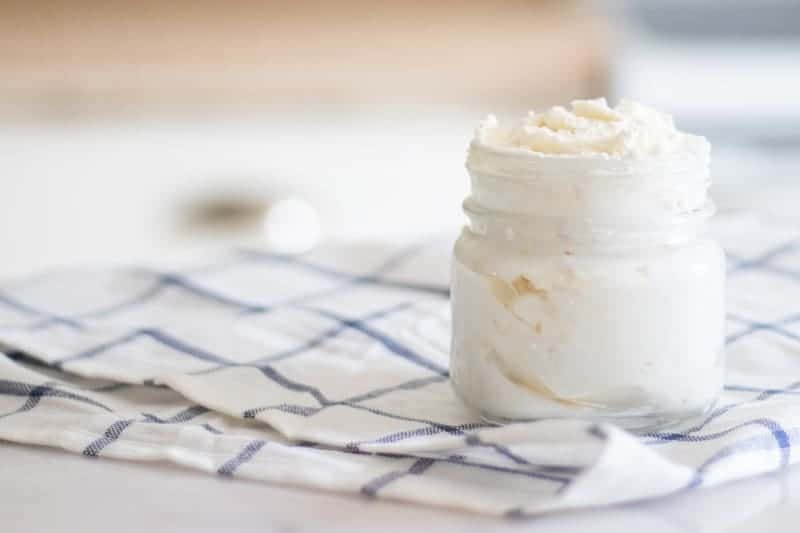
(587, 287)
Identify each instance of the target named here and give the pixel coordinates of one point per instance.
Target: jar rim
(518, 164)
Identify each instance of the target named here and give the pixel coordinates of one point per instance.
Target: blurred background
(134, 129)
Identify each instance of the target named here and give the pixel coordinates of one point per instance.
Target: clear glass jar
(585, 287)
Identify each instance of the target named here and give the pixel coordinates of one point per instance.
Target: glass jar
(585, 287)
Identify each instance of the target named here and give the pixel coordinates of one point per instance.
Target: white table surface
(106, 190)
(45, 490)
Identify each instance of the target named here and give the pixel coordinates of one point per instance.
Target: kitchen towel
(329, 371)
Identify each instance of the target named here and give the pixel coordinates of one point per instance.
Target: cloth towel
(330, 371)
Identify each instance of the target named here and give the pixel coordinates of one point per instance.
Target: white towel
(330, 371)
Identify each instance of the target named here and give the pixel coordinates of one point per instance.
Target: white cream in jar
(584, 284)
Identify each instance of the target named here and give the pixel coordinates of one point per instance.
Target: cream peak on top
(590, 128)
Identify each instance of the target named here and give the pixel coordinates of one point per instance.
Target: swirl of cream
(591, 128)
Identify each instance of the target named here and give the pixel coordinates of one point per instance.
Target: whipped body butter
(583, 285)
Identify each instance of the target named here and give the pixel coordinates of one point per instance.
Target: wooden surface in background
(112, 53)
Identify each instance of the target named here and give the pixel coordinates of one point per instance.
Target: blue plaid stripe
(151, 333)
(26, 309)
(347, 279)
(244, 456)
(417, 468)
(34, 394)
(392, 345)
(113, 432)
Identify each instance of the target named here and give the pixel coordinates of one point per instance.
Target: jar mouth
(524, 165)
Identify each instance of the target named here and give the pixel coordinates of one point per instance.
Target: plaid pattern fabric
(330, 371)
